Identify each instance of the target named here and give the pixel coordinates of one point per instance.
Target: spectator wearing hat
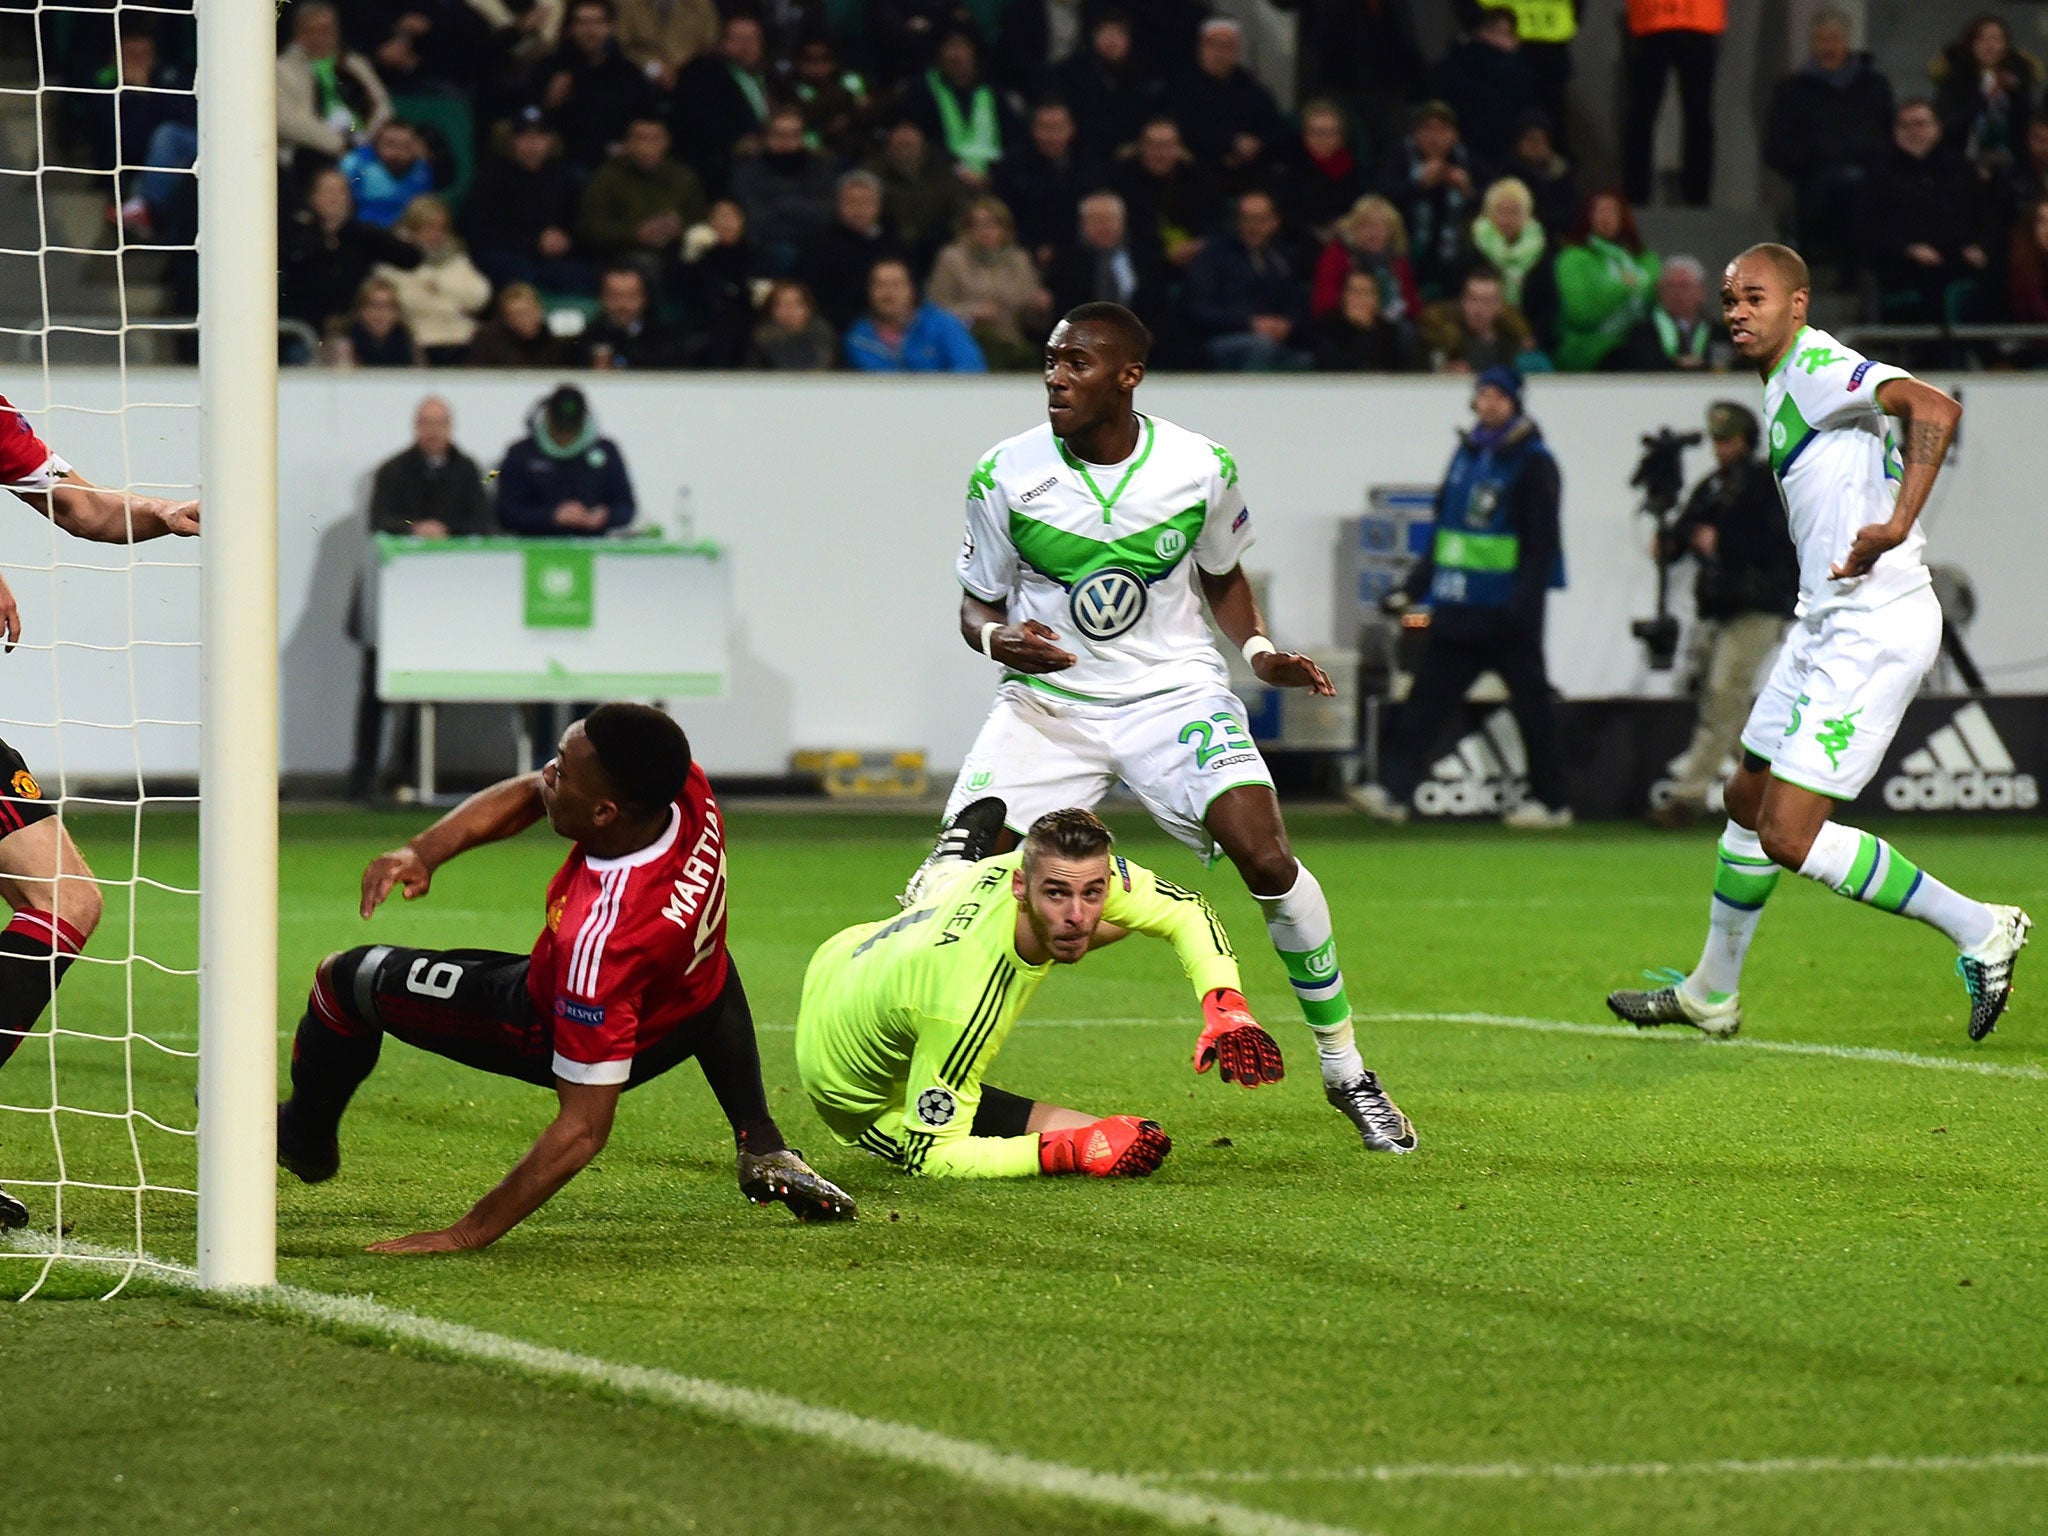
(520, 212)
(1679, 335)
(563, 478)
(1429, 177)
(1486, 581)
(1733, 525)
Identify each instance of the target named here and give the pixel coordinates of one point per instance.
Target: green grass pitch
(1609, 1254)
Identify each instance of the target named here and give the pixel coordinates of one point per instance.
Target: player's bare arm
(1930, 418)
(1237, 614)
(1028, 647)
(504, 810)
(101, 516)
(575, 1136)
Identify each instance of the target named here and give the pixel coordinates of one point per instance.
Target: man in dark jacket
(627, 333)
(432, 490)
(721, 101)
(1486, 579)
(1678, 335)
(1111, 97)
(1488, 84)
(1429, 176)
(1103, 264)
(522, 209)
(1044, 179)
(1246, 297)
(837, 262)
(1830, 122)
(1748, 583)
(562, 478)
(1928, 222)
(589, 86)
(1227, 118)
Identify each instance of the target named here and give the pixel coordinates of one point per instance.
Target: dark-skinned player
(1092, 541)
(629, 977)
(1867, 630)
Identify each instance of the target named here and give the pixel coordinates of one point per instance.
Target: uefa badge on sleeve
(936, 1107)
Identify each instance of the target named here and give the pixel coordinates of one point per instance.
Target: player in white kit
(1091, 543)
(1867, 630)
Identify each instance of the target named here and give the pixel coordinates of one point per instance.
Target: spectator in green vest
(1605, 283)
(959, 110)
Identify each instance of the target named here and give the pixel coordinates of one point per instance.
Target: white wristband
(988, 636)
(1256, 647)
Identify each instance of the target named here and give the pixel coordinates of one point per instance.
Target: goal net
(113, 696)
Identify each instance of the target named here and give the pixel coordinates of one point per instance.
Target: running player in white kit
(1867, 630)
(1091, 543)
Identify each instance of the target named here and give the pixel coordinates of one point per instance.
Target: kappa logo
(1108, 602)
(1485, 774)
(936, 1107)
(1964, 767)
(1813, 359)
(1039, 489)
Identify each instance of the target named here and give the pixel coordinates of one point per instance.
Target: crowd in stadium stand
(799, 185)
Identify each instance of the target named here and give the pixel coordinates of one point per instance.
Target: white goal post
(237, 105)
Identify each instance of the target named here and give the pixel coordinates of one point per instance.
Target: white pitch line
(2019, 1069)
(1515, 1471)
(967, 1461)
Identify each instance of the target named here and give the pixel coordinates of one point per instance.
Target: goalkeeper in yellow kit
(901, 1019)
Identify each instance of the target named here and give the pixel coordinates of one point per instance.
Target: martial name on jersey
(635, 945)
(1106, 554)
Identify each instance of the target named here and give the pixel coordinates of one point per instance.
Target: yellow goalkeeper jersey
(900, 1019)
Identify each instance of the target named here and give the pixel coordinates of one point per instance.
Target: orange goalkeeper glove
(1234, 1044)
(1120, 1147)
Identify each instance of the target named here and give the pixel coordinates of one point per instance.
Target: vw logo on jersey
(1108, 602)
(1169, 544)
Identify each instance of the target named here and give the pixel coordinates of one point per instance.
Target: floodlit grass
(1608, 1251)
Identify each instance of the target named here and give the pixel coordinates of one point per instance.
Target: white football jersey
(1838, 469)
(1106, 554)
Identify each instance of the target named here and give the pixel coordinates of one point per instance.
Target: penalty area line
(965, 1461)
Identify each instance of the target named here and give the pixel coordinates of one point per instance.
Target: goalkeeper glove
(1120, 1147)
(1234, 1044)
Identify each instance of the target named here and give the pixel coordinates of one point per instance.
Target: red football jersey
(633, 945)
(26, 463)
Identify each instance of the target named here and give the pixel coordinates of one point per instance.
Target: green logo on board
(561, 588)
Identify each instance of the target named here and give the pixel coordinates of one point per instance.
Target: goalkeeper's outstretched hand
(1234, 1043)
(1119, 1147)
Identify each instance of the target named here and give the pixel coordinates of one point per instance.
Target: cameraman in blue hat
(1485, 579)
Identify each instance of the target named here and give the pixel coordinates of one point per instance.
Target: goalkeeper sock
(1744, 878)
(1868, 869)
(331, 1055)
(1299, 925)
(37, 948)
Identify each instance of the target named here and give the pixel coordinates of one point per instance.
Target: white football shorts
(1177, 751)
(1838, 691)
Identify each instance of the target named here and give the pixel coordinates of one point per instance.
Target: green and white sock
(1744, 878)
(1299, 925)
(1868, 869)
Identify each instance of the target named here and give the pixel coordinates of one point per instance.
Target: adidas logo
(1963, 767)
(1485, 774)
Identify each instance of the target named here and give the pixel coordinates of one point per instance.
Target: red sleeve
(25, 460)
(595, 1037)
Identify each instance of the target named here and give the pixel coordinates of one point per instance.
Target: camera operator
(1487, 579)
(1748, 581)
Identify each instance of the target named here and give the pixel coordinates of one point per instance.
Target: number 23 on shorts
(1202, 734)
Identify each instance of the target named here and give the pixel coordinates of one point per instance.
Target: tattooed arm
(1930, 418)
